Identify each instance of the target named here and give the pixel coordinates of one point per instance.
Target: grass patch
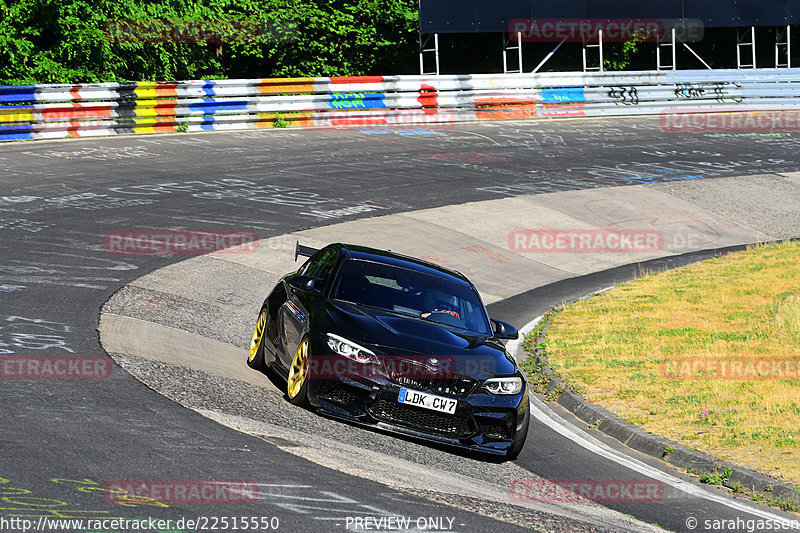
(614, 347)
(787, 315)
(715, 478)
(280, 122)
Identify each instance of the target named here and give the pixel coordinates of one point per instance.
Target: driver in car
(439, 302)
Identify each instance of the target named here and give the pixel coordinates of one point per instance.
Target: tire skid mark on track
(372, 166)
(466, 229)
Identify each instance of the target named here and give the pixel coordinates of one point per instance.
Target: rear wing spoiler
(305, 251)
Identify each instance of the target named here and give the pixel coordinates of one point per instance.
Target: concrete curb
(671, 452)
(656, 446)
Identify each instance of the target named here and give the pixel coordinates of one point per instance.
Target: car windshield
(408, 292)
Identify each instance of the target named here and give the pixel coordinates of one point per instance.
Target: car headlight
(503, 385)
(349, 349)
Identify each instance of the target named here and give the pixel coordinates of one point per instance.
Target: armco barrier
(55, 111)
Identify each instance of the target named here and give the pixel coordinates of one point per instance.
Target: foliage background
(64, 41)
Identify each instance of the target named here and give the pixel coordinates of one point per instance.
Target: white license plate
(427, 401)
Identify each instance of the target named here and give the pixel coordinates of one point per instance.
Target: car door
(299, 305)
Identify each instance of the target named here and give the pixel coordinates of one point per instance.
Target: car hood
(392, 335)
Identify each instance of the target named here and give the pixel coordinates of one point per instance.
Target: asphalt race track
(62, 441)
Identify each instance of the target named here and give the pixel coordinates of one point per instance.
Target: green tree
(71, 41)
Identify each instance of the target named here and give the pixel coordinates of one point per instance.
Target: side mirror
(503, 330)
(306, 284)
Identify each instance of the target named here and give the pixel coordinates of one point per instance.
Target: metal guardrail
(57, 111)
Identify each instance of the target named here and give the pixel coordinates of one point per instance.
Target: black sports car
(393, 342)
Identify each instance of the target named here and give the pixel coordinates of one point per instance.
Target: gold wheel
(298, 371)
(258, 336)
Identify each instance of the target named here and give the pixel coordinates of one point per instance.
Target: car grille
(420, 377)
(420, 419)
(458, 386)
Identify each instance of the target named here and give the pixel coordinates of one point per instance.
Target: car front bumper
(482, 421)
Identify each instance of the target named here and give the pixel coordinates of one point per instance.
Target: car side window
(321, 265)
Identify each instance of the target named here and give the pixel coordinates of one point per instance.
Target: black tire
(255, 357)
